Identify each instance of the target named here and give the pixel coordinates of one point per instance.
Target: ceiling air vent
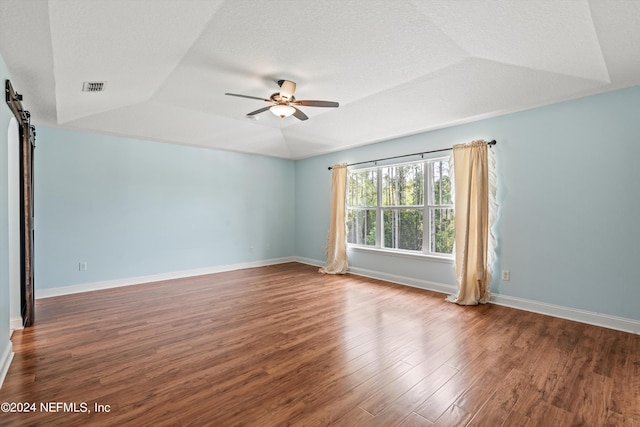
(93, 86)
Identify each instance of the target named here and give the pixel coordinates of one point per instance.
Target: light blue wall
(132, 208)
(569, 181)
(5, 116)
(568, 185)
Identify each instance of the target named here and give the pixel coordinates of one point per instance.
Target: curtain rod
(490, 143)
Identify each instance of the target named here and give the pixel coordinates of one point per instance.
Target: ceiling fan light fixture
(282, 110)
(283, 104)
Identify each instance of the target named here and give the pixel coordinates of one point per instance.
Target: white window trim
(428, 203)
(447, 259)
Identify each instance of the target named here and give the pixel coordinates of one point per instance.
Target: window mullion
(426, 224)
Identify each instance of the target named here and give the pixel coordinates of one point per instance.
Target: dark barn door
(27, 146)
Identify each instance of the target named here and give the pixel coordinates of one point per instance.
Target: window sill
(403, 254)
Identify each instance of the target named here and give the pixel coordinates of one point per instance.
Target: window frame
(426, 206)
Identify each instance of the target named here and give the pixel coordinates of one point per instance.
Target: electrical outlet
(82, 266)
(506, 275)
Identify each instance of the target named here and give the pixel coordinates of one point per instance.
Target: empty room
(314, 213)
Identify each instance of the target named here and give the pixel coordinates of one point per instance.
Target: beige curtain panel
(337, 261)
(475, 213)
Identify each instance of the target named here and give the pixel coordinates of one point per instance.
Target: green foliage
(442, 230)
(441, 219)
(361, 226)
(403, 229)
(362, 188)
(403, 185)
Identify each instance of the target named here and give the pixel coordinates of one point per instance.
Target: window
(362, 205)
(400, 207)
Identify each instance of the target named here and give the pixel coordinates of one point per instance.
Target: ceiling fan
(284, 104)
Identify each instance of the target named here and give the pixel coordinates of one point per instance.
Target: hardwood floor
(284, 345)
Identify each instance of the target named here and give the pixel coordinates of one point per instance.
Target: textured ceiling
(396, 67)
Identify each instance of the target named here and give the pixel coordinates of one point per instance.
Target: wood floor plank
(415, 420)
(330, 407)
(411, 400)
(570, 393)
(471, 387)
(625, 395)
(284, 345)
(380, 400)
(500, 404)
(354, 418)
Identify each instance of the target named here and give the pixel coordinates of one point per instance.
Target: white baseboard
(393, 278)
(404, 280)
(5, 361)
(15, 324)
(108, 284)
(309, 261)
(577, 315)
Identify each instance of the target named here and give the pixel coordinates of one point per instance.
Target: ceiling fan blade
(247, 96)
(300, 115)
(308, 103)
(261, 110)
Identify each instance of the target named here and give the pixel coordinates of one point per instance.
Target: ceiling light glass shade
(282, 110)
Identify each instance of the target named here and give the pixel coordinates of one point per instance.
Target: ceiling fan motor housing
(287, 88)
